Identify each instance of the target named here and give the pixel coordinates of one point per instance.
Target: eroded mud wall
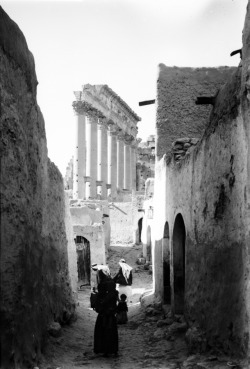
(177, 90)
(35, 288)
(210, 189)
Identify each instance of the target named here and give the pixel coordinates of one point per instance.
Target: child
(122, 309)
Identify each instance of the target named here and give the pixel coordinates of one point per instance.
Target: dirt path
(143, 342)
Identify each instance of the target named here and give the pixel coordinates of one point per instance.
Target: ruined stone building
(105, 156)
(68, 178)
(38, 257)
(125, 211)
(145, 164)
(201, 229)
(107, 174)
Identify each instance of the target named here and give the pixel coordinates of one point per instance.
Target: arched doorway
(149, 243)
(179, 237)
(166, 265)
(83, 260)
(139, 229)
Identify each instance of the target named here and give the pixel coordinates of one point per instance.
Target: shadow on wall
(139, 229)
(166, 265)
(179, 237)
(83, 260)
(149, 251)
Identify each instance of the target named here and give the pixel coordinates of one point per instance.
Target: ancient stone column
(91, 157)
(79, 170)
(120, 161)
(99, 158)
(133, 166)
(112, 161)
(127, 184)
(104, 160)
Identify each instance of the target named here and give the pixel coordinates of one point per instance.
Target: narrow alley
(164, 213)
(150, 339)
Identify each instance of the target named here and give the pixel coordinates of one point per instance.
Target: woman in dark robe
(102, 273)
(106, 332)
(124, 279)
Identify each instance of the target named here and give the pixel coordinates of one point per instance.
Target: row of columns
(103, 161)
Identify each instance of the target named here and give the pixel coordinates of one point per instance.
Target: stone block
(196, 341)
(164, 322)
(194, 141)
(141, 261)
(159, 333)
(55, 329)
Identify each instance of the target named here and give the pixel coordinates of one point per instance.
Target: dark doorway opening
(149, 253)
(166, 265)
(83, 260)
(139, 229)
(179, 238)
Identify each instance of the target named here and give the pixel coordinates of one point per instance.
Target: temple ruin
(105, 157)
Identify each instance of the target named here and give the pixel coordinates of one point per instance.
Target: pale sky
(119, 43)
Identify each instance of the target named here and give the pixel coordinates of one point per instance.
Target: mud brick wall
(177, 114)
(210, 188)
(35, 284)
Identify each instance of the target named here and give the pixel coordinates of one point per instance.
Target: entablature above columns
(101, 103)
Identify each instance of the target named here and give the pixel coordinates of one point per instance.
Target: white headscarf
(103, 268)
(126, 269)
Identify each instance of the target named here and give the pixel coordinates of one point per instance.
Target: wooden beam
(147, 102)
(205, 100)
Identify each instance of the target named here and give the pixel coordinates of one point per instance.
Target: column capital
(134, 144)
(113, 129)
(113, 133)
(83, 107)
(128, 139)
(102, 123)
(121, 136)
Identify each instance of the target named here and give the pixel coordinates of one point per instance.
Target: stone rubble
(180, 149)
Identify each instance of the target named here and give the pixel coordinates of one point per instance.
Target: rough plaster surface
(177, 113)
(88, 213)
(35, 288)
(124, 217)
(71, 248)
(121, 221)
(210, 188)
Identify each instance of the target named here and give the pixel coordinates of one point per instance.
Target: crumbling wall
(145, 165)
(210, 189)
(177, 90)
(35, 288)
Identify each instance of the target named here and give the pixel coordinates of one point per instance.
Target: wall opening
(166, 265)
(179, 238)
(139, 229)
(83, 260)
(149, 255)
